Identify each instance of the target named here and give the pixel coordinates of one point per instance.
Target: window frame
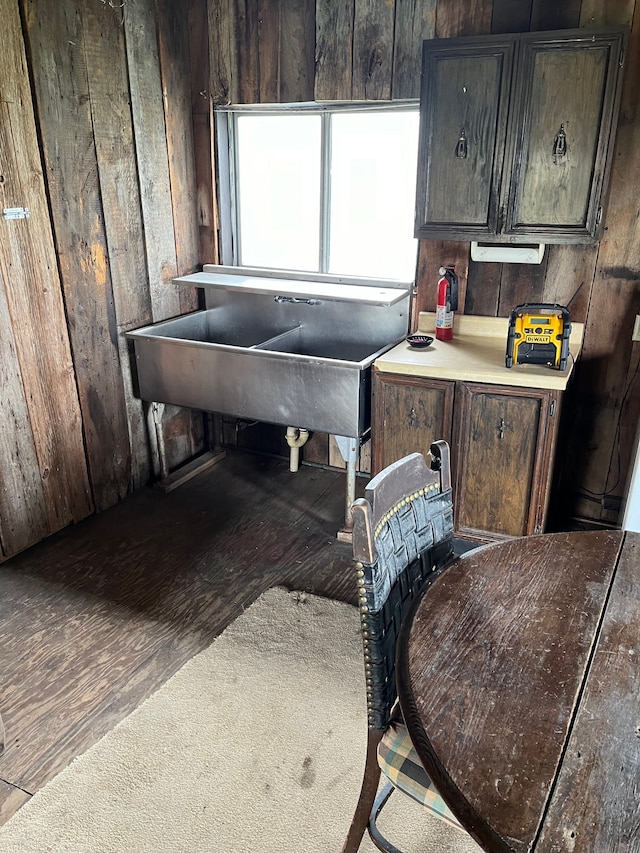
(225, 119)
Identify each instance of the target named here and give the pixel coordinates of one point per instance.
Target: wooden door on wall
(44, 484)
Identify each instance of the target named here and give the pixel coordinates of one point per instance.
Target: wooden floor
(97, 617)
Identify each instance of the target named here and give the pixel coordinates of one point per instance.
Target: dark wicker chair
(402, 533)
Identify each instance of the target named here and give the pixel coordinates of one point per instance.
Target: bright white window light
(278, 195)
(373, 187)
(331, 190)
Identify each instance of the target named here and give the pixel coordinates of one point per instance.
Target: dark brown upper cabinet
(516, 135)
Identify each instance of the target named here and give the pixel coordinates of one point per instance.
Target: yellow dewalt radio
(539, 334)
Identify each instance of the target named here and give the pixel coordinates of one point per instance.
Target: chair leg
(368, 791)
(377, 837)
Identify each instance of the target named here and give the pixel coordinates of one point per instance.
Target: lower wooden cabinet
(502, 442)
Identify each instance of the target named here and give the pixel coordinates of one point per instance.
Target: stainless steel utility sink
(275, 346)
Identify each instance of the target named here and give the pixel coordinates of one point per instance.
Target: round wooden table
(519, 678)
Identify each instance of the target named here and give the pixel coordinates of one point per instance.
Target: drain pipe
(296, 437)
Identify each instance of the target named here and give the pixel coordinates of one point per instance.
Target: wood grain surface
(297, 50)
(492, 675)
(202, 118)
(42, 411)
(372, 50)
(501, 441)
(94, 620)
(223, 52)
(306, 49)
(415, 20)
(608, 402)
(334, 50)
(595, 805)
(113, 130)
(57, 40)
(407, 414)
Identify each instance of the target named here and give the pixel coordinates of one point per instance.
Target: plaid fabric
(399, 762)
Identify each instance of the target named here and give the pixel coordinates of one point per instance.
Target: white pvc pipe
(296, 437)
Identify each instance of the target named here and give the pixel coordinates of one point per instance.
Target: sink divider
(277, 338)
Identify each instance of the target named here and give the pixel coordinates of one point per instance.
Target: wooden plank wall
(369, 49)
(106, 136)
(43, 473)
(96, 140)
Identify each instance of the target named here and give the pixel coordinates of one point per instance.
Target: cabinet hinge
(552, 409)
(538, 529)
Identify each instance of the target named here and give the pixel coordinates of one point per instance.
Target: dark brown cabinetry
(408, 414)
(502, 446)
(516, 135)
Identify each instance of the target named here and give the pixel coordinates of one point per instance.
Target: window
(322, 188)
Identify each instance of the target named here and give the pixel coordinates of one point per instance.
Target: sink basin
(281, 349)
(304, 341)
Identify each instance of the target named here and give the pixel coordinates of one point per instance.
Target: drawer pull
(461, 145)
(560, 146)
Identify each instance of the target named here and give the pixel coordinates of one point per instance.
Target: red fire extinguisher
(447, 302)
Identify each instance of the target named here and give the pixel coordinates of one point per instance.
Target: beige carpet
(256, 744)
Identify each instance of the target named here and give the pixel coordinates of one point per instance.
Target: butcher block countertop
(476, 354)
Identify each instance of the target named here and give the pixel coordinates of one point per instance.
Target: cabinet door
(463, 114)
(565, 96)
(504, 446)
(408, 415)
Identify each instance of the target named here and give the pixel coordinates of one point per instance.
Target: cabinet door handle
(560, 145)
(461, 145)
(413, 418)
(501, 428)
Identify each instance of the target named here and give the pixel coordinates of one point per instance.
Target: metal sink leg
(168, 481)
(348, 448)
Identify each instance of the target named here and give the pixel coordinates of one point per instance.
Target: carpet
(256, 744)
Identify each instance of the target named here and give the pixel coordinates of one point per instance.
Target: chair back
(402, 533)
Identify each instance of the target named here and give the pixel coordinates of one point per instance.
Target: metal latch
(16, 213)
